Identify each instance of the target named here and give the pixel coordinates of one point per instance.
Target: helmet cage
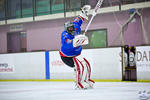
(69, 27)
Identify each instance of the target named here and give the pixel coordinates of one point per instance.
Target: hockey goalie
(71, 47)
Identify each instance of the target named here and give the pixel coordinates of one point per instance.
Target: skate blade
(78, 88)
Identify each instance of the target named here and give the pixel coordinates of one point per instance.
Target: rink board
(105, 63)
(143, 62)
(23, 65)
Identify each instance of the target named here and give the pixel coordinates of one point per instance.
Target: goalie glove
(85, 11)
(80, 40)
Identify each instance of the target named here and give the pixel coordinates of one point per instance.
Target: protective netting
(132, 30)
(133, 27)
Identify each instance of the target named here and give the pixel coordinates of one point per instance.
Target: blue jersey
(67, 48)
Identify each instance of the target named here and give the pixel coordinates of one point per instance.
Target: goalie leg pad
(81, 72)
(91, 82)
(88, 68)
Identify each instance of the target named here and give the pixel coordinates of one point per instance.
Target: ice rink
(66, 91)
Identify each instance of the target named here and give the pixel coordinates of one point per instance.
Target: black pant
(68, 61)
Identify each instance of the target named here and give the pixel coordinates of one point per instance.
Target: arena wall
(45, 35)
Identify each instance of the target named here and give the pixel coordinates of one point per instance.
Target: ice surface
(66, 91)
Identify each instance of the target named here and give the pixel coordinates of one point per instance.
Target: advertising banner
(6, 64)
(58, 70)
(105, 64)
(143, 58)
(143, 62)
(22, 65)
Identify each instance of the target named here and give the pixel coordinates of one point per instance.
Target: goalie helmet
(69, 27)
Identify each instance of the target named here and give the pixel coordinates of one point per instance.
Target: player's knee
(71, 65)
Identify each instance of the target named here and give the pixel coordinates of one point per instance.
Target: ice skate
(91, 83)
(82, 86)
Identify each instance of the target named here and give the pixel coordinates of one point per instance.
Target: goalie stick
(98, 5)
(81, 39)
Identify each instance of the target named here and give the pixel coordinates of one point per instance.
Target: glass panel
(2, 9)
(27, 10)
(42, 7)
(57, 6)
(14, 9)
(97, 39)
(73, 5)
(92, 3)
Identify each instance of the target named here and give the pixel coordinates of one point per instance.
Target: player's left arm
(77, 24)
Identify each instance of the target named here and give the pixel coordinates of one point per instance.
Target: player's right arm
(79, 20)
